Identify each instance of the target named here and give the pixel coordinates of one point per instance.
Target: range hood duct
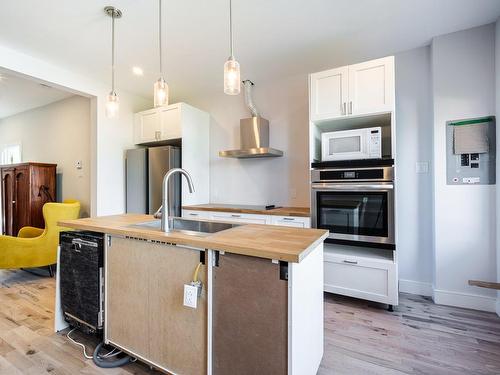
(254, 133)
(247, 84)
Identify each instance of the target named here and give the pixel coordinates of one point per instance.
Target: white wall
(281, 181)
(57, 133)
(465, 228)
(414, 144)
(497, 101)
(109, 137)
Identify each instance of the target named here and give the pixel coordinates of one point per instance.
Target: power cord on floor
(79, 344)
(105, 360)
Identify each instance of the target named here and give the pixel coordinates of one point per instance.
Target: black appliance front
(353, 213)
(82, 279)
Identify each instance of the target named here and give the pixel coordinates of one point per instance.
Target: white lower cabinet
(240, 218)
(369, 274)
(189, 214)
(291, 221)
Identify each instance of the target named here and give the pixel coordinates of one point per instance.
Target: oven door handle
(352, 187)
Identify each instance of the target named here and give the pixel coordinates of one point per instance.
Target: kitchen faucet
(164, 210)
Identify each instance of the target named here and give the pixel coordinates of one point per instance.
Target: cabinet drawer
(190, 214)
(291, 221)
(361, 278)
(240, 218)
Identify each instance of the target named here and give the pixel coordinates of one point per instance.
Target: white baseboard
(415, 287)
(469, 301)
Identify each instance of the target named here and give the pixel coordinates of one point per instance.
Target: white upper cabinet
(371, 86)
(170, 119)
(158, 124)
(329, 93)
(147, 126)
(360, 89)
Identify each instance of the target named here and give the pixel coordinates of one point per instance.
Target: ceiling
(19, 94)
(273, 39)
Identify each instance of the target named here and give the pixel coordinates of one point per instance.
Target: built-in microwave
(352, 144)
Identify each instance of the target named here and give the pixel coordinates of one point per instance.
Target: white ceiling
(273, 38)
(19, 94)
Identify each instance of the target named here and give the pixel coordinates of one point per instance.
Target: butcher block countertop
(263, 241)
(247, 209)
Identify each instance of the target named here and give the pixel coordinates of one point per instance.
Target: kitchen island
(260, 309)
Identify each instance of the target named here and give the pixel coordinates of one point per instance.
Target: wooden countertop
(264, 241)
(248, 209)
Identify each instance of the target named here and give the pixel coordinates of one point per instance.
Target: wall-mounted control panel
(471, 151)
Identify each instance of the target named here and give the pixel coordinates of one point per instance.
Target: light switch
(422, 167)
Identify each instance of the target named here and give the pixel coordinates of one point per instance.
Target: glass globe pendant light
(160, 86)
(231, 67)
(112, 100)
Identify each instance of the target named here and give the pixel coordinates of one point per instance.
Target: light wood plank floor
(360, 337)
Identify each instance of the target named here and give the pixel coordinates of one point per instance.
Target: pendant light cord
(113, 51)
(159, 37)
(231, 28)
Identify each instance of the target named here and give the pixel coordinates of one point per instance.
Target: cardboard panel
(250, 317)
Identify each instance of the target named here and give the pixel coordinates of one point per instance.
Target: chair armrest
(30, 232)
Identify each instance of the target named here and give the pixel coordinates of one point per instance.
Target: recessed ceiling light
(137, 71)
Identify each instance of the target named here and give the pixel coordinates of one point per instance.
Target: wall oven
(356, 205)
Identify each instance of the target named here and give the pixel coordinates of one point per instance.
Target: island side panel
(127, 308)
(145, 315)
(305, 319)
(250, 304)
(178, 334)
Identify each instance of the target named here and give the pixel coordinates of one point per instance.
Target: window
(10, 154)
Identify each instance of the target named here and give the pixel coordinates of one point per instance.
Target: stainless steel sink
(192, 227)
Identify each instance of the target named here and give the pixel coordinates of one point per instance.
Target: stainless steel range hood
(254, 134)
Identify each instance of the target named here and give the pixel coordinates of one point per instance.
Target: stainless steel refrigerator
(145, 168)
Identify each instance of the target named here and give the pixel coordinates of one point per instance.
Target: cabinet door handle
(157, 135)
(13, 202)
(350, 261)
(350, 107)
(288, 218)
(235, 215)
(344, 111)
(192, 214)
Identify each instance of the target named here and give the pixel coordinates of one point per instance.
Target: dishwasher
(81, 275)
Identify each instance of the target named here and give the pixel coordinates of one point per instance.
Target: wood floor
(360, 337)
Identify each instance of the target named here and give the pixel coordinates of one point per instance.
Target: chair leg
(51, 270)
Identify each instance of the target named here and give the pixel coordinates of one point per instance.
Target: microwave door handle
(353, 187)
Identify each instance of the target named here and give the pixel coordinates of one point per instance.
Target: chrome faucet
(164, 210)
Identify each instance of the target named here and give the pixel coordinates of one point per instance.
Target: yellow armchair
(35, 247)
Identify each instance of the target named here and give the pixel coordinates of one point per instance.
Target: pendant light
(231, 67)
(160, 86)
(112, 101)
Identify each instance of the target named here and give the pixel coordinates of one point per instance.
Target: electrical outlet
(190, 296)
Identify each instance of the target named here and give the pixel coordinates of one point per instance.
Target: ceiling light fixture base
(113, 12)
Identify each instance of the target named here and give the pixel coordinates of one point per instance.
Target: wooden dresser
(25, 189)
